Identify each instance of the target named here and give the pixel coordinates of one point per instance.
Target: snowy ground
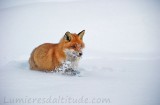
(121, 62)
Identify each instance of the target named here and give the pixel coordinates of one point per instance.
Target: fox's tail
(32, 63)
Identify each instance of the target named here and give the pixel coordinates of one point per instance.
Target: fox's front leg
(72, 68)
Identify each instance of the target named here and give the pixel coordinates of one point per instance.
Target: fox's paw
(71, 72)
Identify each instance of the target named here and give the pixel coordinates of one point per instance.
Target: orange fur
(48, 56)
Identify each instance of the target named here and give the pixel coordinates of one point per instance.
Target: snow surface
(121, 61)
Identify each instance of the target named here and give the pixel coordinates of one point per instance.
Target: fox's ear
(81, 34)
(67, 36)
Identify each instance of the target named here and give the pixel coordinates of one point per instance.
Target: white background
(121, 59)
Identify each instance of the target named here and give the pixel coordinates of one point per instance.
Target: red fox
(63, 55)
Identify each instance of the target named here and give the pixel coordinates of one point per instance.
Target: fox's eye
(73, 46)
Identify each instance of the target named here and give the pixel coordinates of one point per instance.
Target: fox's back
(43, 56)
(45, 50)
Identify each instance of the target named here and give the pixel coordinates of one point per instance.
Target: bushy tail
(32, 63)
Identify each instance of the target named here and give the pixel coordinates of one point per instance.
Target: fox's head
(73, 44)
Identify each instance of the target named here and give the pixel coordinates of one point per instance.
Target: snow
(120, 63)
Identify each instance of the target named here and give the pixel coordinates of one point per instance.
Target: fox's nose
(80, 54)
